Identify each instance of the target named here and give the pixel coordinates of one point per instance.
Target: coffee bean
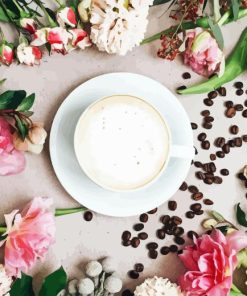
(153, 211)
(241, 176)
(139, 267)
(133, 274)
(169, 231)
(222, 91)
(138, 227)
(186, 75)
(195, 207)
(226, 148)
(245, 103)
(126, 243)
(172, 205)
(143, 218)
(219, 142)
(135, 242)
(176, 220)
(153, 254)
(244, 113)
(202, 137)
(208, 181)
(220, 154)
(209, 119)
(205, 145)
(238, 142)
(244, 138)
(224, 172)
(239, 84)
(182, 87)
(208, 102)
(212, 95)
(191, 234)
(212, 156)
(193, 189)
(239, 107)
(173, 248)
(142, 235)
(152, 245)
(161, 234)
(208, 202)
(190, 214)
(126, 235)
(234, 129)
(197, 196)
(239, 92)
(164, 219)
(200, 212)
(217, 180)
(184, 186)
(207, 125)
(205, 113)
(200, 175)
(88, 216)
(229, 104)
(230, 112)
(197, 164)
(179, 240)
(209, 175)
(212, 167)
(178, 231)
(231, 143)
(194, 126)
(165, 250)
(127, 292)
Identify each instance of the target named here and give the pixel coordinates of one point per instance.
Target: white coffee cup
(122, 143)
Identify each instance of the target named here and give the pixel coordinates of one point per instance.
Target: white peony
(5, 282)
(117, 29)
(158, 287)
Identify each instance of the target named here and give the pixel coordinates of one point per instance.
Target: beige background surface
(77, 241)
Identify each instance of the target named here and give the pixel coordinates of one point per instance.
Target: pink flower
(58, 38)
(66, 16)
(40, 37)
(11, 160)
(202, 53)
(28, 55)
(6, 54)
(80, 38)
(210, 263)
(28, 24)
(30, 234)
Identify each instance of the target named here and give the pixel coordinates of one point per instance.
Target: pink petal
(236, 241)
(12, 163)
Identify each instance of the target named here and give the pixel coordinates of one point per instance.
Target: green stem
(201, 22)
(18, 6)
(59, 3)
(62, 212)
(52, 23)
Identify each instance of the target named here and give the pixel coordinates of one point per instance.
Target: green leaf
(217, 216)
(235, 9)
(241, 216)
(223, 229)
(2, 81)
(11, 99)
(22, 286)
(22, 127)
(242, 258)
(26, 104)
(54, 283)
(235, 291)
(3, 16)
(158, 2)
(215, 28)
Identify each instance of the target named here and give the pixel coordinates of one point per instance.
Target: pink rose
(58, 38)
(80, 38)
(202, 53)
(6, 54)
(210, 263)
(40, 37)
(66, 16)
(28, 24)
(30, 234)
(11, 160)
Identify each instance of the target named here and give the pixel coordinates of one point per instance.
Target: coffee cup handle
(179, 151)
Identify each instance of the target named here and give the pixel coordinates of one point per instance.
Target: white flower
(109, 265)
(5, 281)
(113, 284)
(117, 29)
(93, 269)
(72, 287)
(85, 286)
(158, 287)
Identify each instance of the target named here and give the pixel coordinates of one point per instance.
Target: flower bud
(209, 223)
(66, 16)
(28, 55)
(28, 24)
(40, 37)
(19, 144)
(37, 135)
(79, 38)
(6, 53)
(83, 7)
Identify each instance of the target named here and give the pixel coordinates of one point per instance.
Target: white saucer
(65, 164)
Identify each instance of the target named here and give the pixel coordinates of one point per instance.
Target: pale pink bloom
(40, 37)
(29, 235)
(58, 38)
(28, 24)
(28, 55)
(6, 54)
(66, 16)
(210, 263)
(11, 160)
(80, 38)
(202, 53)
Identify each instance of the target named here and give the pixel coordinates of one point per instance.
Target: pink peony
(30, 234)
(11, 160)
(202, 53)
(6, 54)
(210, 263)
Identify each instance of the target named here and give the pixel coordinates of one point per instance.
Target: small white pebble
(72, 287)
(85, 286)
(93, 269)
(113, 284)
(109, 265)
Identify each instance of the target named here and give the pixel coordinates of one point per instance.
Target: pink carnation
(210, 263)
(12, 161)
(202, 53)
(30, 234)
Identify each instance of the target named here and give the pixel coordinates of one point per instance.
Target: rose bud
(83, 10)
(80, 38)
(28, 24)
(58, 38)
(37, 134)
(66, 16)
(40, 37)
(6, 53)
(18, 143)
(28, 55)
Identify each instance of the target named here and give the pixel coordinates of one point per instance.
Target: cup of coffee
(122, 143)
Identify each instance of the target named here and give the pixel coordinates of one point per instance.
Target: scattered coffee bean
(238, 142)
(153, 254)
(126, 235)
(245, 103)
(164, 219)
(239, 107)
(194, 126)
(226, 148)
(197, 164)
(182, 87)
(208, 181)
(230, 112)
(207, 125)
(200, 212)
(217, 180)
(239, 84)
(135, 242)
(191, 234)
(202, 137)
(222, 91)
(173, 248)
(244, 113)
(127, 292)
(126, 243)
(220, 142)
(172, 205)
(212, 167)
(209, 119)
(241, 176)
(190, 214)
(208, 102)
(195, 207)
(139, 267)
(212, 156)
(153, 211)
(161, 234)
(184, 186)
(186, 75)
(224, 172)
(244, 138)
(179, 240)
(229, 104)
(142, 235)
(234, 129)
(205, 145)
(239, 92)
(205, 113)
(197, 196)
(208, 202)
(231, 143)
(176, 220)
(165, 250)
(133, 274)
(88, 216)
(200, 175)
(143, 218)
(213, 94)
(152, 245)
(138, 227)
(220, 154)
(193, 189)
